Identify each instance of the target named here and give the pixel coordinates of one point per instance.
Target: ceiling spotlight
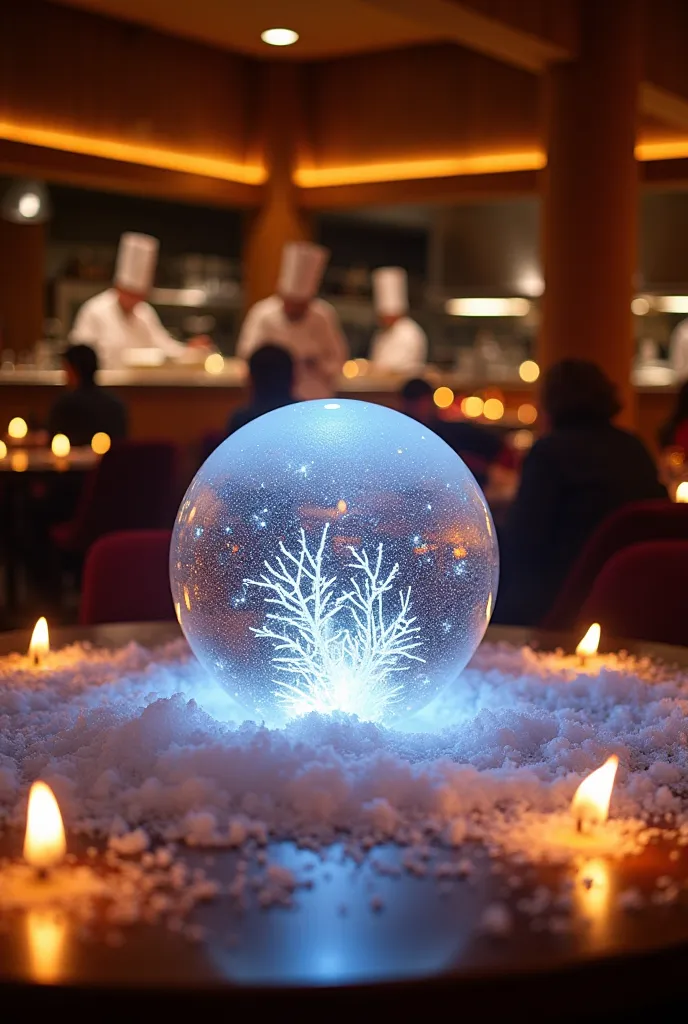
(26, 202)
(279, 36)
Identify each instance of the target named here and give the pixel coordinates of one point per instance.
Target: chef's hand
(201, 341)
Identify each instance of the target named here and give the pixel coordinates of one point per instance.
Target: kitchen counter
(185, 403)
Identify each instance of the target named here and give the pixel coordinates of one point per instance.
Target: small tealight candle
(39, 646)
(18, 428)
(60, 446)
(682, 492)
(582, 830)
(100, 443)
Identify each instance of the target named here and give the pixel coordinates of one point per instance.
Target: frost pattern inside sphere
(333, 556)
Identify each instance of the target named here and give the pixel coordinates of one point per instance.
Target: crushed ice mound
(134, 738)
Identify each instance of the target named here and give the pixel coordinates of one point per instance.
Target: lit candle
(682, 492)
(587, 648)
(40, 642)
(18, 428)
(590, 804)
(100, 443)
(60, 446)
(45, 844)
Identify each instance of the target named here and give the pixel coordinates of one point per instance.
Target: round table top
(423, 942)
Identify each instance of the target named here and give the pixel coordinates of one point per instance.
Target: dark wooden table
(423, 952)
(20, 470)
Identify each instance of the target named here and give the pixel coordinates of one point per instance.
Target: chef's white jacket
(401, 348)
(316, 343)
(102, 323)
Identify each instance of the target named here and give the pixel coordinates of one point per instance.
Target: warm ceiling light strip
(407, 170)
(134, 153)
(676, 149)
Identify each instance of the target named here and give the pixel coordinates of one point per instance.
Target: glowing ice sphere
(334, 556)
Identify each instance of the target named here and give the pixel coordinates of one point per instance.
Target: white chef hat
(303, 265)
(390, 291)
(137, 257)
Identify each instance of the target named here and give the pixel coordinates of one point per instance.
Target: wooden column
(22, 285)
(590, 212)
(279, 220)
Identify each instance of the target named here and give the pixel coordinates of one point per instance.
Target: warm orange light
(100, 443)
(46, 933)
(443, 397)
(640, 306)
(134, 153)
(527, 413)
(3, 450)
(18, 428)
(406, 170)
(44, 843)
(590, 804)
(342, 506)
(460, 552)
(481, 307)
(590, 642)
(522, 440)
(472, 406)
(682, 492)
(529, 371)
(19, 461)
(279, 36)
(178, 611)
(214, 363)
(40, 641)
(350, 369)
(493, 409)
(60, 446)
(676, 149)
(363, 366)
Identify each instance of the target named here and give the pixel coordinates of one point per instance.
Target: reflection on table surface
(42, 460)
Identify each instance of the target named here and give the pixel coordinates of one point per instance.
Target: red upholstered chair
(641, 593)
(126, 579)
(132, 488)
(632, 524)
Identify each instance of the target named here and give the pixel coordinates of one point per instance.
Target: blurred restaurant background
(525, 163)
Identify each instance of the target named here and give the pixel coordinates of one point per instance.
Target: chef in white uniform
(308, 327)
(400, 345)
(119, 319)
(678, 350)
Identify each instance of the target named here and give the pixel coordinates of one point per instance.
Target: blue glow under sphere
(334, 556)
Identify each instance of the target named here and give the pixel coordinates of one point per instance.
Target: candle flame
(44, 843)
(591, 800)
(590, 642)
(40, 641)
(682, 492)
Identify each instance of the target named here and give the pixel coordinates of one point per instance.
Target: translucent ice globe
(334, 556)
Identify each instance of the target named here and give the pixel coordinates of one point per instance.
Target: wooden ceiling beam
(664, 105)
(464, 24)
